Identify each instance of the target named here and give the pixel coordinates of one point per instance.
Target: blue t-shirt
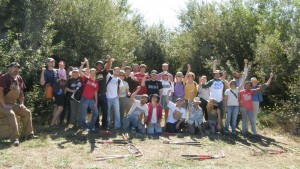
(257, 97)
(51, 77)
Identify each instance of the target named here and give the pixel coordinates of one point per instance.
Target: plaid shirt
(195, 115)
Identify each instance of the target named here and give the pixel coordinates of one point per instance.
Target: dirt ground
(67, 148)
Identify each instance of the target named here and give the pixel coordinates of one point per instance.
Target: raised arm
(132, 97)
(42, 79)
(187, 72)
(144, 80)
(109, 63)
(215, 65)
(167, 97)
(81, 67)
(270, 79)
(124, 65)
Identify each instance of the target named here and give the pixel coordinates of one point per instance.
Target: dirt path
(70, 149)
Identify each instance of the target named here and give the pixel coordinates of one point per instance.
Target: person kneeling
(214, 115)
(195, 116)
(134, 116)
(155, 115)
(176, 117)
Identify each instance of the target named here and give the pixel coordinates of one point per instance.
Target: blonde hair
(193, 75)
(210, 104)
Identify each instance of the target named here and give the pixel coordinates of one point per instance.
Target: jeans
(247, 114)
(84, 104)
(154, 128)
(114, 103)
(102, 103)
(133, 121)
(232, 113)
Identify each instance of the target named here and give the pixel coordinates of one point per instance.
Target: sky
(155, 11)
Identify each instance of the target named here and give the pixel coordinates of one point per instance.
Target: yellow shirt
(188, 88)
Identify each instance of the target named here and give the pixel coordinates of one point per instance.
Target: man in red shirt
(139, 76)
(89, 96)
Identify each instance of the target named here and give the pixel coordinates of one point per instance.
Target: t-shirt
(90, 88)
(138, 109)
(140, 77)
(188, 88)
(175, 113)
(170, 76)
(73, 84)
(232, 100)
(246, 99)
(217, 87)
(62, 74)
(203, 92)
(167, 85)
(153, 87)
(133, 84)
(257, 97)
(51, 77)
(124, 89)
(178, 89)
(101, 79)
(154, 118)
(7, 81)
(195, 115)
(112, 86)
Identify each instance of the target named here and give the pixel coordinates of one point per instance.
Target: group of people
(142, 102)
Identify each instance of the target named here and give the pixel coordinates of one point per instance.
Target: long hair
(210, 104)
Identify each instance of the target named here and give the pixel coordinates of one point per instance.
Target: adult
(140, 76)
(178, 87)
(257, 97)
(11, 91)
(238, 77)
(50, 77)
(102, 71)
(153, 86)
(214, 116)
(132, 83)
(217, 89)
(195, 116)
(167, 85)
(135, 68)
(223, 74)
(73, 84)
(231, 103)
(153, 120)
(89, 98)
(114, 84)
(176, 117)
(190, 84)
(246, 104)
(203, 94)
(124, 93)
(165, 68)
(137, 110)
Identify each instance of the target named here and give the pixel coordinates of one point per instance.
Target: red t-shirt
(90, 88)
(140, 77)
(246, 99)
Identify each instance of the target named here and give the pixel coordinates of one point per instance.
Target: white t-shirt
(112, 86)
(173, 111)
(167, 85)
(216, 90)
(154, 118)
(138, 109)
(231, 99)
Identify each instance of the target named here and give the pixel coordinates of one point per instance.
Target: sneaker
(15, 142)
(31, 136)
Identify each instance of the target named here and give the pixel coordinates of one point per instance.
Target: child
(195, 116)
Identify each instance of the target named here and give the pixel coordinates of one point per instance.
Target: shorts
(59, 100)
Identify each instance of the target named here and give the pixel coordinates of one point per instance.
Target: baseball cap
(153, 72)
(14, 64)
